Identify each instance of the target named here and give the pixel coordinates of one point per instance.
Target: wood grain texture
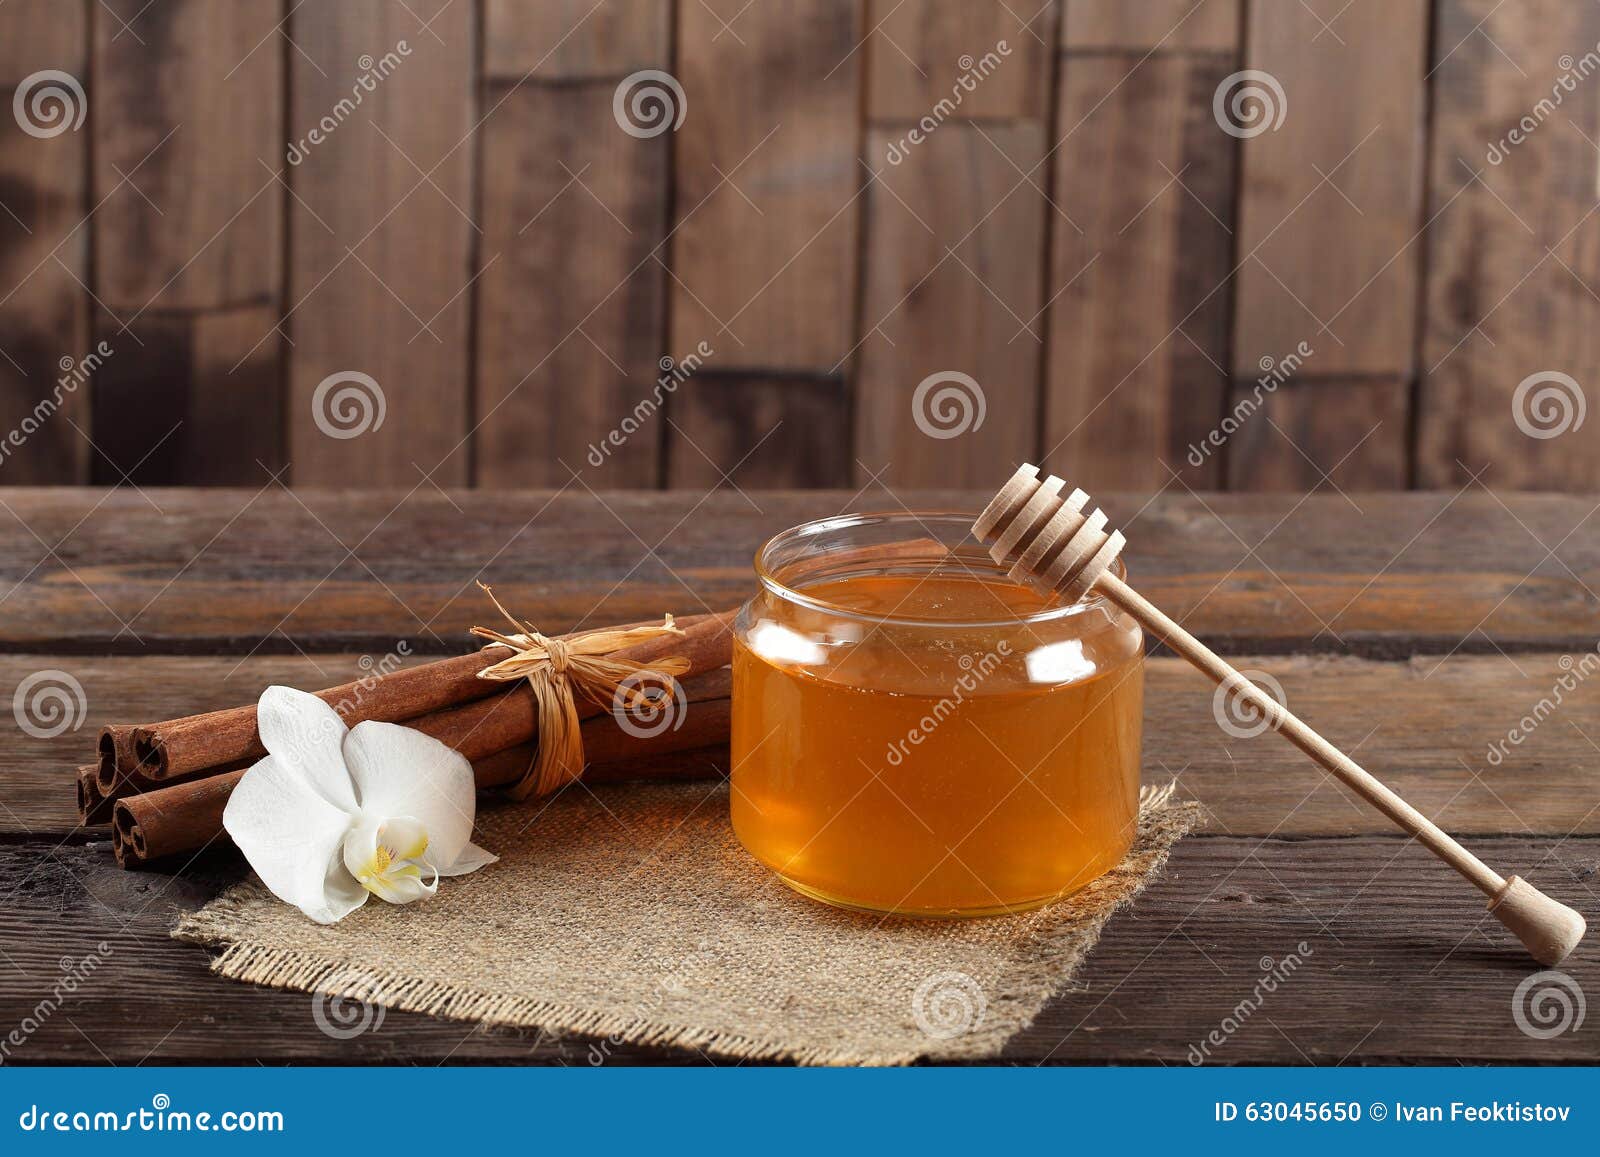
(381, 239)
(544, 41)
(766, 185)
(190, 399)
(1348, 433)
(236, 571)
(187, 115)
(1403, 964)
(919, 52)
(1150, 25)
(1139, 299)
(953, 286)
(1512, 249)
(1330, 204)
(1435, 729)
(1395, 961)
(570, 302)
(187, 102)
(41, 34)
(1425, 220)
(761, 432)
(43, 254)
(1399, 964)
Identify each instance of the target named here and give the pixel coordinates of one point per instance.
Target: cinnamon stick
(710, 707)
(164, 752)
(93, 806)
(117, 758)
(188, 816)
(121, 775)
(511, 718)
(119, 772)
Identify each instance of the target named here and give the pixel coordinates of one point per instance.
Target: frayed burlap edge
(1059, 938)
(303, 972)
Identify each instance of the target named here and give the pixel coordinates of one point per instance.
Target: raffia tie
(554, 668)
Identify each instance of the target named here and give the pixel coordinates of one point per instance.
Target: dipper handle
(1547, 928)
(1051, 541)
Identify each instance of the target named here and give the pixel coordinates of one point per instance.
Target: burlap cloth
(631, 914)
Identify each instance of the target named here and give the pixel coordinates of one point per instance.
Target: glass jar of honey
(915, 733)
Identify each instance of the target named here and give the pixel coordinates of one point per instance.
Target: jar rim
(767, 576)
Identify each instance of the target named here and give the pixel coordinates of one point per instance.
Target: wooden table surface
(1416, 630)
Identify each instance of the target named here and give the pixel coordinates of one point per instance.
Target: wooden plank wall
(44, 247)
(1328, 216)
(377, 243)
(767, 193)
(185, 116)
(381, 227)
(1149, 178)
(953, 274)
(571, 297)
(1512, 252)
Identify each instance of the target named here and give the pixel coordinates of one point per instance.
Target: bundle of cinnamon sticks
(163, 786)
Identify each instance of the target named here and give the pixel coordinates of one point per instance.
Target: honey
(924, 736)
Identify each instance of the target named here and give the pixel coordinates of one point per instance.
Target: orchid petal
(293, 838)
(304, 734)
(405, 837)
(403, 887)
(370, 856)
(399, 772)
(472, 858)
(361, 848)
(402, 840)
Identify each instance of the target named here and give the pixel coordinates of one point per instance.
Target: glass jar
(915, 733)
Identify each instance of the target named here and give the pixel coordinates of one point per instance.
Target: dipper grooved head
(1049, 540)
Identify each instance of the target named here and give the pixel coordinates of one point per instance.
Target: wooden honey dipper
(1053, 543)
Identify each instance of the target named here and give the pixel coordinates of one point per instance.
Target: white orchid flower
(333, 815)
